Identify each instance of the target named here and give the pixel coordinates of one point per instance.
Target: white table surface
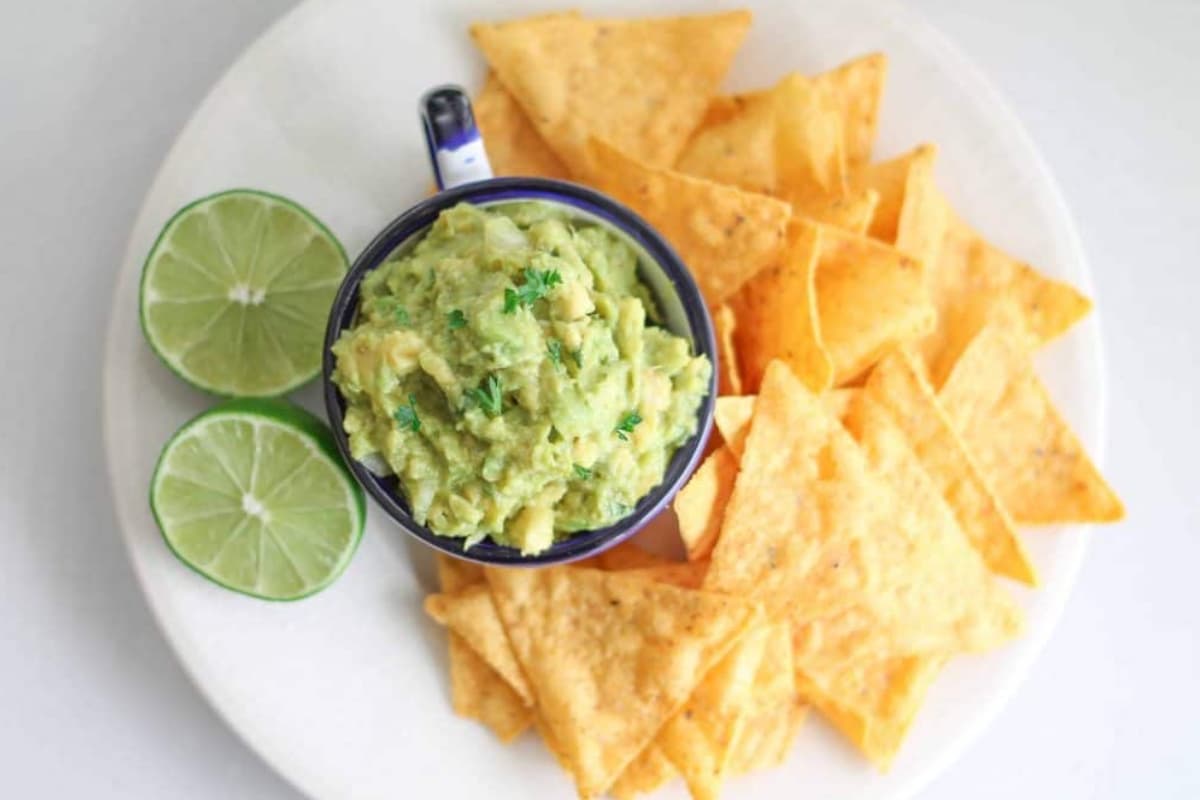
(94, 704)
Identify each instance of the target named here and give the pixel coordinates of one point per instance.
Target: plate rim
(972, 78)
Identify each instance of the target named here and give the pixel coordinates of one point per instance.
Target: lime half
(236, 292)
(254, 496)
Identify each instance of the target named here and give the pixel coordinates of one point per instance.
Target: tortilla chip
(470, 613)
(897, 385)
(684, 574)
(874, 703)
(870, 298)
(891, 180)
(810, 160)
(724, 325)
(700, 504)
(858, 87)
(476, 690)
(611, 657)
(775, 713)
(778, 312)
(624, 556)
(1024, 448)
(837, 402)
(641, 84)
(921, 226)
(699, 738)
(735, 143)
(732, 416)
(852, 212)
(872, 540)
(969, 273)
(645, 774)
(514, 146)
(723, 234)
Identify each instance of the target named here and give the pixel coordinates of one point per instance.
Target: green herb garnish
(537, 283)
(456, 319)
(489, 397)
(407, 417)
(554, 350)
(582, 472)
(627, 424)
(401, 315)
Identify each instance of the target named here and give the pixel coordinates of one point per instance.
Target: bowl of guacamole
(520, 371)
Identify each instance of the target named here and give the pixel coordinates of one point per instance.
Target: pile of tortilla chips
(882, 429)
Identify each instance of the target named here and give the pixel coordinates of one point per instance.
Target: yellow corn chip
(775, 713)
(625, 556)
(778, 314)
(732, 416)
(873, 703)
(891, 179)
(1023, 447)
(645, 774)
(724, 325)
(870, 297)
(858, 87)
(641, 84)
(837, 402)
(735, 143)
(871, 539)
(513, 144)
(611, 657)
(969, 273)
(700, 505)
(897, 385)
(684, 574)
(476, 690)
(852, 212)
(699, 738)
(810, 160)
(470, 613)
(724, 235)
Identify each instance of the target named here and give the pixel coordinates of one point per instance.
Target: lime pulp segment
(236, 292)
(253, 496)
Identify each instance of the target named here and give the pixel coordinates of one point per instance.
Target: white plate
(345, 693)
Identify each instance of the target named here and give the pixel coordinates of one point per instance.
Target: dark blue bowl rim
(384, 490)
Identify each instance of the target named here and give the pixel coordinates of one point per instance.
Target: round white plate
(345, 693)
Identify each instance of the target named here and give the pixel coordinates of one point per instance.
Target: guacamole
(508, 370)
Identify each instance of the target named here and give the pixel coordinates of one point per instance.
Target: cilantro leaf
(627, 424)
(406, 416)
(582, 472)
(536, 284)
(401, 315)
(456, 319)
(489, 396)
(554, 350)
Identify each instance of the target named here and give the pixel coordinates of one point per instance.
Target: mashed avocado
(505, 370)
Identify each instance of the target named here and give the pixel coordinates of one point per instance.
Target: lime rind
(301, 377)
(288, 419)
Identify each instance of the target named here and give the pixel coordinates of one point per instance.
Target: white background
(92, 702)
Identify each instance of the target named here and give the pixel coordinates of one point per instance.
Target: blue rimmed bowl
(463, 175)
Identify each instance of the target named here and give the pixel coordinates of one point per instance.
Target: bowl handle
(456, 151)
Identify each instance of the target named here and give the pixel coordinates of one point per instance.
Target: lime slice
(254, 496)
(236, 292)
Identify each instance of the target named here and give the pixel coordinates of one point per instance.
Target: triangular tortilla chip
(817, 527)
(684, 574)
(910, 214)
(470, 613)
(810, 159)
(870, 297)
(700, 504)
(778, 314)
(723, 234)
(1023, 447)
(852, 212)
(773, 715)
(625, 556)
(699, 738)
(514, 146)
(969, 273)
(735, 143)
(611, 657)
(641, 84)
(732, 417)
(858, 87)
(724, 326)
(645, 774)
(873, 703)
(476, 690)
(897, 385)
